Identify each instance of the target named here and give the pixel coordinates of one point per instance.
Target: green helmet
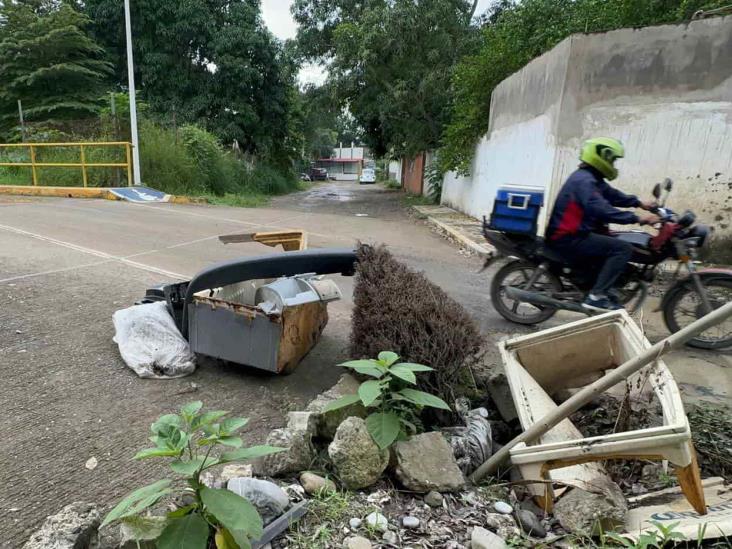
(601, 153)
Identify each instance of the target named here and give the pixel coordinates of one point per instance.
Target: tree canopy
(48, 62)
(212, 62)
(514, 33)
(389, 63)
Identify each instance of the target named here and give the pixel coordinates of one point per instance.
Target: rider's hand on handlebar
(648, 219)
(648, 204)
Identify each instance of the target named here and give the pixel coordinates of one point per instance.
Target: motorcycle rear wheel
(517, 274)
(684, 307)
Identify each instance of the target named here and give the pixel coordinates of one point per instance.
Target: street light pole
(133, 105)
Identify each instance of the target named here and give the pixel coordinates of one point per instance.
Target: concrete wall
(395, 170)
(665, 91)
(520, 146)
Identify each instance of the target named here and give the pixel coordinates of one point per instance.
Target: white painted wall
(395, 170)
(689, 142)
(521, 154)
(666, 92)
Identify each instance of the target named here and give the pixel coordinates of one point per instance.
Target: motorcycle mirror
(657, 191)
(668, 184)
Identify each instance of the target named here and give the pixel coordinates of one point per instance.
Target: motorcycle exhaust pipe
(544, 300)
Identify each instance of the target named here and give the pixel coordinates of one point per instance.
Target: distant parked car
(368, 175)
(318, 174)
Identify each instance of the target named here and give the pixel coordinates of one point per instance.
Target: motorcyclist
(585, 205)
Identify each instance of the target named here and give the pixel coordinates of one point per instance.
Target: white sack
(150, 343)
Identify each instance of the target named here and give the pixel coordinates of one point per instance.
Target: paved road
(67, 265)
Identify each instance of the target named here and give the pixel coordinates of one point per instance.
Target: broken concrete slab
(328, 422)
(298, 456)
(426, 462)
(74, 527)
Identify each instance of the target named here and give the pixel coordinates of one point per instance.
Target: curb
(461, 238)
(482, 250)
(85, 192)
(60, 192)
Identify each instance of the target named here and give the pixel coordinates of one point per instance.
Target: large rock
(426, 462)
(328, 422)
(297, 437)
(589, 513)
(357, 459)
(270, 500)
(74, 527)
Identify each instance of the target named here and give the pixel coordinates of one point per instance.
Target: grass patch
(416, 200)
(255, 200)
(390, 184)
(320, 527)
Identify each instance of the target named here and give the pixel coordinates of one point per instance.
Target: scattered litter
(22, 351)
(18, 332)
(91, 463)
(150, 342)
(362, 215)
(543, 364)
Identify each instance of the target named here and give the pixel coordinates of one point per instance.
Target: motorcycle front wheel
(684, 307)
(517, 274)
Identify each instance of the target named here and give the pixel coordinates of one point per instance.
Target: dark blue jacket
(585, 205)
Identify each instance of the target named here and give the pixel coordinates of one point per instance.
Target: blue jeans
(612, 253)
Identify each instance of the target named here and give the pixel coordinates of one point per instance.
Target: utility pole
(22, 122)
(133, 105)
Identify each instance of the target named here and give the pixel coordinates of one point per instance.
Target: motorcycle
(537, 282)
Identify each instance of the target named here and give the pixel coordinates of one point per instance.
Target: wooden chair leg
(691, 484)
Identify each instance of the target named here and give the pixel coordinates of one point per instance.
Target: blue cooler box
(516, 209)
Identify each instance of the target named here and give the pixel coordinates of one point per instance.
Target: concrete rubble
(426, 462)
(356, 458)
(297, 437)
(328, 422)
(74, 527)
(588, 513)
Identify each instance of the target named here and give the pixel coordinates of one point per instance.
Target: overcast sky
(276, 14)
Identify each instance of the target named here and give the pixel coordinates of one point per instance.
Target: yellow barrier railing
(83, 164)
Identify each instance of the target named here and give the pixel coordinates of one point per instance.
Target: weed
(238, 200)
(194, 441)
(417, 200)
(327, 510)
(397, 404)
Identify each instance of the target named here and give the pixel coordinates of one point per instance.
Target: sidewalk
(465, 230)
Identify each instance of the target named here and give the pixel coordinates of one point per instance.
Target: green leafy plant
(194, 441)
(395, 404)
(662, 536)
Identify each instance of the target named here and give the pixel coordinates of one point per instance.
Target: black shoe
(601, 304)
